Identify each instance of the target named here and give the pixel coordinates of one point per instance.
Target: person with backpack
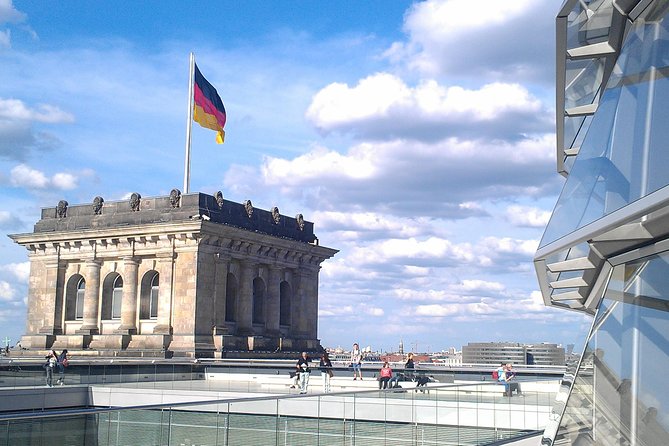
(500, 376)
(63, 362)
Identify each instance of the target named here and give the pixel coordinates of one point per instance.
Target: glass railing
(446, 415)
(222, 376)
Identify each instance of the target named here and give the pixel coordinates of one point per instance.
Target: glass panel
(153, 303)
(588, 22)
(615, 399)
(584, 79)
(79, 303)
(117, 298)
(622, 156)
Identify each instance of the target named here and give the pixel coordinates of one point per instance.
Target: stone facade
(189, 275)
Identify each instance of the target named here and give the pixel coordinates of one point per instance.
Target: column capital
(93, 263)
(55, 263)
(221, 257)
(166, 256)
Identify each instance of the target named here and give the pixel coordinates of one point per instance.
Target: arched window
(258, 301)
(74, 298)
(231, 299)
(148, 308)
(284, 303)
(112, 296)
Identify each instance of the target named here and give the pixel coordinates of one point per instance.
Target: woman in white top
(356, 360)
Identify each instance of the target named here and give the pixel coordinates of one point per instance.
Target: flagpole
(189, 124)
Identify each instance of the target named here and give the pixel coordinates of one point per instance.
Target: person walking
(384, 375)
(62, 362)
(356, 361)
(325, 367)
(49, 366)
(304, 371)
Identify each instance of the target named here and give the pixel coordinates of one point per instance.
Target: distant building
(448, 358)
(495, 353)
(190, 275)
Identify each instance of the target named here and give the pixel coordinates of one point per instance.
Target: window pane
(117, 297)
(79, 303)
(153, 302)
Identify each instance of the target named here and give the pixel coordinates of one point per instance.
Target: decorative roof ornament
(249, 208)
(61, 209)
(300, 222)
(219, 199)
(175, 198)
(135, 199)
(276, 215)
(98, 203)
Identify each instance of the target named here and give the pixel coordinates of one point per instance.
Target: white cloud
(26, 177)
(320, 163)
(9, 220)
(479, 285)
(429, 248)
(478, 38)
(17, 110)
(384, 107)
(508, 245)
(527, 216)
(444, 179)
(440, 310)
(374, 311)
(64, 181)
(17, 135)
(19, 270)
(9, 14)
(5, 39)
(360, 224)
(6, 291)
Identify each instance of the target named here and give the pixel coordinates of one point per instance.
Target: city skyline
(419, 141)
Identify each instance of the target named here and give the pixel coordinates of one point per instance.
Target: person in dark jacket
(304, 370)
(325, 366)
(63, 362)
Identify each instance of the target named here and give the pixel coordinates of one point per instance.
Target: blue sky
(418, 137)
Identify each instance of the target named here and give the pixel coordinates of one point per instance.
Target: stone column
(53, 297)
(311, 304)
(220, 293)
(129, 303)
(296, 305)
(272, 301)
(166, 272)
(305, 302)
(91, 298)
(245, 300)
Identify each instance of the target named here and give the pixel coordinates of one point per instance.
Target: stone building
(190, 275)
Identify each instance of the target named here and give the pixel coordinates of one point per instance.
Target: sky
(419, 137)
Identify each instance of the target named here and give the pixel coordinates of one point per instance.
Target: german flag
(208, 111)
